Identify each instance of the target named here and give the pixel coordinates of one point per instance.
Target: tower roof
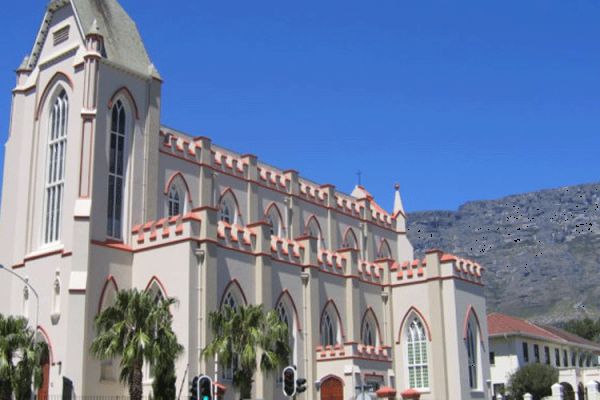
(123, 44)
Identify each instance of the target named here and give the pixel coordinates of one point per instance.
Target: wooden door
(43, 390)
(332, 389)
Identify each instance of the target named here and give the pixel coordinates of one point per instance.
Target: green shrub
(536, 379)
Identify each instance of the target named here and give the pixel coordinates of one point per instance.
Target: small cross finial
(397, 186)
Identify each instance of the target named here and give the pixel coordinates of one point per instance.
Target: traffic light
(300, 385)
(289, 381)
(205, 388)
(194, 388)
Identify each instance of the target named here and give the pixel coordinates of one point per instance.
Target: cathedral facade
(98, 196)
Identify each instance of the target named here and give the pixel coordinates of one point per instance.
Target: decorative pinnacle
(24, 65)
(398, 206)
(94, 28)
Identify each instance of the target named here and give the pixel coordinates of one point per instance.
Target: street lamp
(37, 297)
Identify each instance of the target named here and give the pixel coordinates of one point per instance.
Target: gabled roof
(123, 44)
(505, 325)
(360, 192)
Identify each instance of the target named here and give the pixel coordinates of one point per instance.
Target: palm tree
(136, 328)
(239, 334)
(18, 343)
(165, 351)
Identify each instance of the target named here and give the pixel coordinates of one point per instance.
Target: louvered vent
(61, 35)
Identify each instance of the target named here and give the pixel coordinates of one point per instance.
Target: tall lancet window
(416, 351)
(116, 171)
(472, 356)
(174, 202)
(55, 168)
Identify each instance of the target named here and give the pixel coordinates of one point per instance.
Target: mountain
(541, 250)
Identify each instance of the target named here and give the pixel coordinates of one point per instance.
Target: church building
(99, 197)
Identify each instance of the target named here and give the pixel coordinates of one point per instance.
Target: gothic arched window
(286, 315)
(274, 219)
(116, 171)
(230, 300)
(416, 353)
(350, 241)
(225, 212)
(55, 167)
(472, 355)
(368, 335)
(327, 330)
(175, 203)
(313, 229)
(109, 298)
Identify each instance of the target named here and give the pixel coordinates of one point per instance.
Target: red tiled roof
(570, 337)
(502, 324)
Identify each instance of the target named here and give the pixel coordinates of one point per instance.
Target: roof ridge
(545, 330)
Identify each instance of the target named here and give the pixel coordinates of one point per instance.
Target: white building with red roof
(515, 342)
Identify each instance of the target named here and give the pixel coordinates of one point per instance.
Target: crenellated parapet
(409, 270)
(236, 236)
(273, 179)
(164, 231)
(353, 350)
(371, 271)
(436, 265)
(463, 268)
(332, 261)
(286, 250)
(201, 151)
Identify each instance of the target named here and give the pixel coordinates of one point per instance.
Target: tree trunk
(136, 389)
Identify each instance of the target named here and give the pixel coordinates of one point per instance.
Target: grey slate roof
(123, 44)
(122, 41)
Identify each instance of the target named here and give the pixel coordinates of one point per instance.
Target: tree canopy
(239, 334)
(137, 329)
(21, 357)
(536, 379)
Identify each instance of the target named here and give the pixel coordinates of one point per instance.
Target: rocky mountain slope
(541, 249)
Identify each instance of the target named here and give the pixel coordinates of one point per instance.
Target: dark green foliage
(18, 342)
(137, 328)
(163, 386)
(586, 328)
(244, 332)
(536, 379)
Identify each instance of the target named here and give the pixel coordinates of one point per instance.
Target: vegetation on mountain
(586, 328)
(541, 250)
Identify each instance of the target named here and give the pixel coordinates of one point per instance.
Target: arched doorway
(332, 389)
(568, 391)
(42, 393)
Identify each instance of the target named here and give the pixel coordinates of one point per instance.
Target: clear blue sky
(456, 100)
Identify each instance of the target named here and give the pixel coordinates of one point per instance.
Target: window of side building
(565, 358)
(547, 355)
(536, 353)
(492, 358)
(557, 357)
(525, 352)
